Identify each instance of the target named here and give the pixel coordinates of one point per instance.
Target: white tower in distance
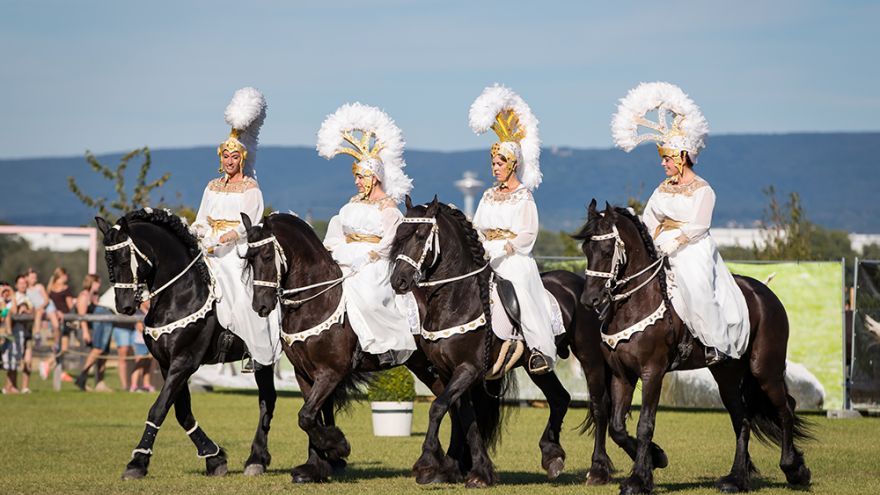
(469, 186)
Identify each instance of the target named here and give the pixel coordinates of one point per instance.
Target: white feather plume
(489, 104)
(359, 117)
(246, 113)
(663, 97)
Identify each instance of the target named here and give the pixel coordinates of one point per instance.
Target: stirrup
(538, 363)
(247, 365)
(714, 356)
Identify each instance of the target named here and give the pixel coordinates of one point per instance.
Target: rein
(144, 294)
(618, 258)
(432, 243)
(281, 266)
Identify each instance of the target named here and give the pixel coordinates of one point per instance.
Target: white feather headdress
(245, 113)
(499, 108)
(378, 147)
(687, 131)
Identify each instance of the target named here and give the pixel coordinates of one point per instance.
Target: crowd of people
(48, 305)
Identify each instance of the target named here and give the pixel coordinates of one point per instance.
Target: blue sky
(112, 76)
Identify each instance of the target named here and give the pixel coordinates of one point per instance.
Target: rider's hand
(669, 247)
(508, 247)
(230, 236)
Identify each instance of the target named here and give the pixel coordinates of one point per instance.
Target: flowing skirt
(382, 320)
(235, 308)
(534, 303)
(707, 298)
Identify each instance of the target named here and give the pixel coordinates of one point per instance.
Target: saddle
(511, 350)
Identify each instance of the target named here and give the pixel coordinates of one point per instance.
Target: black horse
(291, 265)
(457, 291)
(153, 250)
(632, 287)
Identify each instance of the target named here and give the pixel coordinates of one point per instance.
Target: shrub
(394, 385)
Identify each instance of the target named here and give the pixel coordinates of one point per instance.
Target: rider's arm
(252, 206)
(200, 226)
(334, 236)
(704, 204)
(525, 226)
(651, 216)
(391, 219)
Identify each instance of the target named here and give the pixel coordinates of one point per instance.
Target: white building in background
(63, 243)
(746, 238)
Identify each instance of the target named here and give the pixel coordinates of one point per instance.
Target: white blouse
(226, 202)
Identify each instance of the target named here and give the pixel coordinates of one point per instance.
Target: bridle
(281, 266)
(432, 243)
(141, 292)
(618, 259)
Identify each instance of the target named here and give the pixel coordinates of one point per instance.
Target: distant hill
(837, 176)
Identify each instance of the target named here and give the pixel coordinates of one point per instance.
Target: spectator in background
(62, 300)
(36, 292)
(7, 341)
(143, 366)
(96, 336)
(24, 305)
(124, 335)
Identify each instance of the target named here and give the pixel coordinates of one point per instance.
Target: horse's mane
(175, 225)
(589, 229)
(474, 245)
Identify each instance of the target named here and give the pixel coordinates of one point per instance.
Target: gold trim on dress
(220, 226)
(373, 239)
(495, 234)
(667, 224)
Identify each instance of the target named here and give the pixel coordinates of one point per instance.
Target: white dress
(703, 291)
(512, 218)
(381, 320)
(220, 212)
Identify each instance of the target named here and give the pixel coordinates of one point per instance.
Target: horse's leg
(482, 472)
(329, 419)
(325, 442)
(260, 458)
(642, 478)
(600, 406)
(621, 399)
(772, 384)
(458, 448)
(552, 453)
(215, 457)
(729, 379)
(433, 466)
(176, 376)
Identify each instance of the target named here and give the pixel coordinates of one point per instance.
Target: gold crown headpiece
(245, 114)
(688, 129)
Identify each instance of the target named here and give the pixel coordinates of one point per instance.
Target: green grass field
(73, 442)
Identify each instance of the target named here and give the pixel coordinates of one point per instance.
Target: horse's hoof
(133, 474)
(730, 484)
(218, 471)
(658, 457)
(799, 477)
(598, 476)
(254, 469)
(554, 468)
(633, 486)
(475, 482)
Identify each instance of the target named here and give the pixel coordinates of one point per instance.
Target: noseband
(433, 241)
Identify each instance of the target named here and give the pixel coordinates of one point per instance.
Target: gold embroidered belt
(374, 239)
(668, 224)
(495, 234)
(220, 226)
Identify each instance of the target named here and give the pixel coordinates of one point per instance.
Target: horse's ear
(591, 209)
(103, 226)
(123, 225)
(433, 207)
(246, 221)
(408, 202)
(610, 212)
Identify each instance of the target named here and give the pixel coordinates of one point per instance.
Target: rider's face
(231, 162)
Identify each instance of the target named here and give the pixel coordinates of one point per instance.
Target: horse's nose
(128, 310)
(264, 311)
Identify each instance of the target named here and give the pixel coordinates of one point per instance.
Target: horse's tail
(349, 387)
(491, 413)
(764, 417)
